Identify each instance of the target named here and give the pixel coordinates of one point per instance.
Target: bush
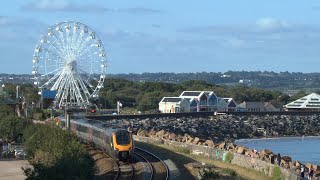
(230, 172)
(38, 116)
(6, 110)
(56, 154)
(210, 175)
(229, 157)
(277, 174)
(12, 127)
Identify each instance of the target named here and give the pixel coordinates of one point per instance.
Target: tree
(12, 127)
(6, 110)
(300, 94)
(56, 154)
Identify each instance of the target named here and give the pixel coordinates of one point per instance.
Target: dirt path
(10, 169)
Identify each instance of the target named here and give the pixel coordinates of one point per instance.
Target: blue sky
(174, 36)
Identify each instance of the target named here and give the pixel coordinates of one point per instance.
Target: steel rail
(148, 162)
(160, 160)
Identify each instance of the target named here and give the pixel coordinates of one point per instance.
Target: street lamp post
(67, 116)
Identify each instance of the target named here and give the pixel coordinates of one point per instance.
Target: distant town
(286, 82)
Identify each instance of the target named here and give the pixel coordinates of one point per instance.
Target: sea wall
(221, 128)
(228, 127)
(242, 160)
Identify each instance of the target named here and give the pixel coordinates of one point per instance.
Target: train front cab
(122, 141)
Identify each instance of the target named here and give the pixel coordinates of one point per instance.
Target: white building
(310, 102)
(222, 104)
(196, 101)
(250, 106)
(232, 105)
(174, 105)
(201, 100)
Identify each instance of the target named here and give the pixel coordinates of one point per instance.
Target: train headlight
(130, 150)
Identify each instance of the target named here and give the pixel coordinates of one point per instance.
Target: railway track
(118, 171)
(159, 170)
(146, 165)
(106, 166)
(125, 171)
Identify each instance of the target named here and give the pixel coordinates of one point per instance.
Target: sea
(303, 149)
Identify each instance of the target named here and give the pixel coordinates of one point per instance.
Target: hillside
(283, 81)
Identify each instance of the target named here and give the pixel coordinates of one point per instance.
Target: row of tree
(145, 96)
(260, 79)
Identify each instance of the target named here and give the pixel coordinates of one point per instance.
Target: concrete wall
(217, 154)
(166, 107)
(170, 107)
(262, 166)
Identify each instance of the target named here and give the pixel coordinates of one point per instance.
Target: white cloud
(234, 43)
(20, 23)
(112, 34)
(20, 30)
(263, 26)
(51, 5)
(155, 26)
(266, 24)
(63, 5)
(70, 6)
(136, 10)
(4, 21)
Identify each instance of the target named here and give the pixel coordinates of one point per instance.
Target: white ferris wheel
(70, 59)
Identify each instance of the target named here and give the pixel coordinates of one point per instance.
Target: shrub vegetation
(56, 154)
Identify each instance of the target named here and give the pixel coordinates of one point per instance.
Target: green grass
(181, 150)
(277, 174)
(229, 157)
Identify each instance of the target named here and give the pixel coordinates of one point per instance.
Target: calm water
(305, 149)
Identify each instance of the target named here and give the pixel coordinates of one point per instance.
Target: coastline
(302, 150)
(240, 156)
(267, 138)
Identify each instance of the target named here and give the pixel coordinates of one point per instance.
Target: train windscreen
(122, 137)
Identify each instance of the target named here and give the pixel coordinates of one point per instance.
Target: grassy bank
(219, 170)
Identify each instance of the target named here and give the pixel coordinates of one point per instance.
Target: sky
(173, 36)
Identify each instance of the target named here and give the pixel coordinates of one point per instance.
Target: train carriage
(121, 143)
(117, 142)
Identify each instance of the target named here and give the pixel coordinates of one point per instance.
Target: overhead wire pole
(118, 106)
(67, 116)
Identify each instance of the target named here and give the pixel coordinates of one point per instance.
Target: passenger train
(117, 142)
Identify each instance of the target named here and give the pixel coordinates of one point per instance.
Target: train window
(111, 140)
(122, 137)
(107, 140)
(96, 133)
(81, 128)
